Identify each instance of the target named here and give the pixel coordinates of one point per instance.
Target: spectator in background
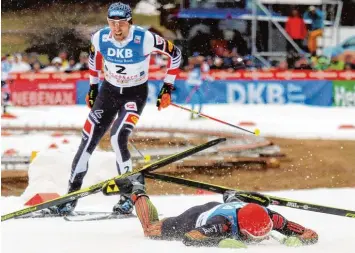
(71, 65)
(19, 66)
(55, 67)
(349, 62)
(237, 45)
(63, 55)
(83, 63)
(219, 44)
(316, 28)
(5, 69)
(303, 64)
(33, 59)
(209, 61)
(227, 59)
(248, 62)
(282, 66)
(296, 29)
(25, 57)
(237, 63)
(320, 63)
(217, 63)
(5, 91)
(36, 67)
(336, 64)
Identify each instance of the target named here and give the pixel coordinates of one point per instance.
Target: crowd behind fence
(231, 62)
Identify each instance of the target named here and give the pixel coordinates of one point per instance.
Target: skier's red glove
(164, 97)
(308, 237)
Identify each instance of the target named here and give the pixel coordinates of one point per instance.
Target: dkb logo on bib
(120, 53)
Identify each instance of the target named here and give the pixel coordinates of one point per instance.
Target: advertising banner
(42, 92)
(252, 92)
(240, 92)
(319, 88)
(280, 92)
(344, 93)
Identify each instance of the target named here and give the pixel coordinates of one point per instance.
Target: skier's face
(119, 28)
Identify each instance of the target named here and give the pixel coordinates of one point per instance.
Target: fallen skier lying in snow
(232, 224)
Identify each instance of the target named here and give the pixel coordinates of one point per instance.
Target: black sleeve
(216, 229)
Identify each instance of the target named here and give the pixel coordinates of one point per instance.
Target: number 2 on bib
(120, 69)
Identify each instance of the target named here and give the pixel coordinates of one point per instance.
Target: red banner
(157, 74)
(27, 92)
(267, 75)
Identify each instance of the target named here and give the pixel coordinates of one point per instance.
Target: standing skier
(123, 51)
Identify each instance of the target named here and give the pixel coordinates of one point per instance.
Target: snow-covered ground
(336, 234)
(25, 144)
(293, 121)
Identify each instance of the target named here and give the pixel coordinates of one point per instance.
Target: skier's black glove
(92, 94)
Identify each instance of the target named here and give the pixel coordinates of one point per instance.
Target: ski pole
(256, 131)
(145, 157)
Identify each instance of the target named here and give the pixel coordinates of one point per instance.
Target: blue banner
(82, 88)
(307, 92)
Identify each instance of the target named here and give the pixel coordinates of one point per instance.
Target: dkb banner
(310, 92)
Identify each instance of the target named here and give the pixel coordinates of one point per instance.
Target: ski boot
(128, 185)
(68, 207)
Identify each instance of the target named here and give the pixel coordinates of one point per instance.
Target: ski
(47, 214)
(98, 216)
(97, 187)
(254, 197)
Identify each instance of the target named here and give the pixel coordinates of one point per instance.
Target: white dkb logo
(120, 53)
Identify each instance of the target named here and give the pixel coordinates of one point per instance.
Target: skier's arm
(95, 59)
(95, 66)
(291, 229)
(155, 43)
(216, 229)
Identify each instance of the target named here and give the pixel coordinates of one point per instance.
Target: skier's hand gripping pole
(164, 97)
(256, 131)
(92, 94)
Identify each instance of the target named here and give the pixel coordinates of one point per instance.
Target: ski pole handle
(256, 131)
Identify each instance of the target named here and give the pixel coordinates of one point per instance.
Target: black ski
(255, 197)
(97, 187)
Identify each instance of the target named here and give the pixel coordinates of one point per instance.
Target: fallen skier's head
(254, 222)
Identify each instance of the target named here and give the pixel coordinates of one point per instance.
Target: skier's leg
(133, 102)
(97, 123)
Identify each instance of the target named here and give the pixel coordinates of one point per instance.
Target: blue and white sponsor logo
(119, 13)
(137, 39)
